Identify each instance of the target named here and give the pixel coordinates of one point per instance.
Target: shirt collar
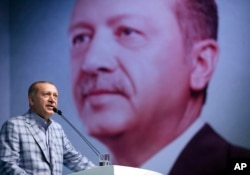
(41, 121)
(163, 161)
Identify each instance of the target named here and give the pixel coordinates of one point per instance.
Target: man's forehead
(96, 9)
(46, 87)
(124, 4)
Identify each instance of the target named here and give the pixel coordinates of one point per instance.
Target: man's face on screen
(128, 66)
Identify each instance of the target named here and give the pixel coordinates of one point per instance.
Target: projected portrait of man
(140, 71)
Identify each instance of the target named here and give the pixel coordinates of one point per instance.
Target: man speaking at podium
(34, 144)
(140, 72)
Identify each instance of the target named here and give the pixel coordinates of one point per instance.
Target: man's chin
(104, 129)
(106, 122)
(51, 113)
(107, 135)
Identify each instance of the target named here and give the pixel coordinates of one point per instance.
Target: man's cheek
(75, 69)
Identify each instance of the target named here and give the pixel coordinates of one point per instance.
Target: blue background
(34, 46)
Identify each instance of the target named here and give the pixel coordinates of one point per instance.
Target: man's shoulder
(208, 139)
(239, 152)
(14, 123)
(17, 119)
(208, 153)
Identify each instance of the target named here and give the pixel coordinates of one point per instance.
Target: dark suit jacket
(208, 154)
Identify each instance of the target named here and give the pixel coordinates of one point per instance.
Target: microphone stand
(105, 158)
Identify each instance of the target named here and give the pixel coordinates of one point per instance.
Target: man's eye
(126, 32)
(45, 95)
(130, 37)
(80, 39)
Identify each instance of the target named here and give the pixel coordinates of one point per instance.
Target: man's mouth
(99, 92)
(51, 107)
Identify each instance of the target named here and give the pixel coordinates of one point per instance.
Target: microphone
(104, 158)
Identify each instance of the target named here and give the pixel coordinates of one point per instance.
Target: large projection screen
(34, 46)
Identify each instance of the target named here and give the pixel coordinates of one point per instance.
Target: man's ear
(204, 60)
(30, 100)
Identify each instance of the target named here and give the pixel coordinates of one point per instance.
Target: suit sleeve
(9, 150)
(73, 159)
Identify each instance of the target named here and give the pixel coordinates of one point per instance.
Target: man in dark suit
(208, 153)
(140, 74)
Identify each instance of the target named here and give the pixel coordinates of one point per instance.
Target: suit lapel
(37, 135)
(205, 154)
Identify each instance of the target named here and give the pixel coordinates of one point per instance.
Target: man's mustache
(90, 84)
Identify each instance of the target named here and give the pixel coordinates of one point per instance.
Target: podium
(115, 170)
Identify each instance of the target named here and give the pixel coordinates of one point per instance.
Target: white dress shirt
(163, 161)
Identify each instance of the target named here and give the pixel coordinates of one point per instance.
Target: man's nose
(100, 56)
(52, 99)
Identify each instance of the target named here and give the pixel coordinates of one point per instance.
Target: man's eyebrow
(120, 17)
(111, 21)
(81, 24)
(49, 92)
